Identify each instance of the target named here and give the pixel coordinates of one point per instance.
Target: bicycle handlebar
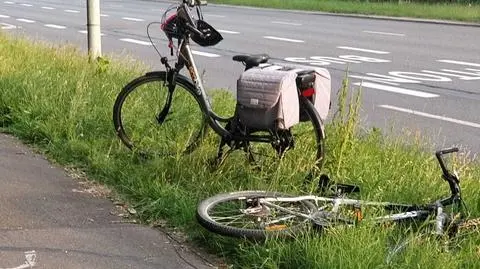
(439, 155)
(452, 179)
(195, 2)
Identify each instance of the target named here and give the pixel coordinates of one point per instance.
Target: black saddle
(251, 60)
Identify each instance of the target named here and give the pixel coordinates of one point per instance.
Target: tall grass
(55, 99)
(469, 12)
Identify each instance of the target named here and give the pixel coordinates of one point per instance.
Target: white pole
(93, 29)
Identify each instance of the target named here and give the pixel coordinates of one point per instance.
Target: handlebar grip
(446, 151)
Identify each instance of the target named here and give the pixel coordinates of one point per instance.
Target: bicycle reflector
(309, 92)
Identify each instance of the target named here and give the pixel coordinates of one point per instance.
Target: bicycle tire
(187, 129)
(279, 229)
(312, 114)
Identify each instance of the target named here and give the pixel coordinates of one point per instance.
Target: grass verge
(441, 11)
(54, 99)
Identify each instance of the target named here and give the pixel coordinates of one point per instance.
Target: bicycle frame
(407, 211)
(186, 59)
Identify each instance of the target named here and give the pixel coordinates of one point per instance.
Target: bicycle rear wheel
(299, 149)
(151, 119)
(239, 214)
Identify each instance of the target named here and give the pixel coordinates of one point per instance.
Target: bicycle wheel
(300, 149)
(151, 119)
(239, 214)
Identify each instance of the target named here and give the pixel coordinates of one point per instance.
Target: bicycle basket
(210, 36)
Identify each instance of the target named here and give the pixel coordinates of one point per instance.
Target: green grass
(442, 11)
(53, 98)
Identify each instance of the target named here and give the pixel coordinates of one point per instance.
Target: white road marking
(25, 20)
(7, 26)
(363, 50)
(54, 26)
(139, 42)
(4, 16)
(85, 32)
(132, 19)
(26, 5)
(48, 8)
(71, 11)
(9, 2)
(228, 32)
(206, 54)
(214, 15)
(459, 62)
(30, 260)
(287, 23)
(383, 33)
(104, 15)
(395, 89)
(432, 116)
(284, 39)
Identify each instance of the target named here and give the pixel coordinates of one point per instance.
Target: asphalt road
(418, 78)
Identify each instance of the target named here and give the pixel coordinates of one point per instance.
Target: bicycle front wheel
(150, 118)
(241, 214)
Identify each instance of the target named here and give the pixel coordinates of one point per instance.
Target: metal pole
(93, 29)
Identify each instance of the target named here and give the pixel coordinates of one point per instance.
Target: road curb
(348, 15)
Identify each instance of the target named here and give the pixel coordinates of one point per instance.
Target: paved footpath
(47, 221)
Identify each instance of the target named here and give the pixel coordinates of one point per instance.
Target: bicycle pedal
(346, 188)
(326, 184)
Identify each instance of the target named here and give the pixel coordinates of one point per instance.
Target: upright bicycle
(167, 113)
(258, 214)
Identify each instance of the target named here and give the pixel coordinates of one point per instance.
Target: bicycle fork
(168, 103)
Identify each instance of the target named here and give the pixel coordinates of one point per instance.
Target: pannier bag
(267, 96)
(319, 94)
(267, 99)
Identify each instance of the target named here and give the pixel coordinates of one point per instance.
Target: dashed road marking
(25, 20)
(459, 62)
(395, 89)
(7, 26)
(432, 116)
(104, 15)
(383, 33)
(206, 54)
(26, 5)
(132, 19)
(9, 2)
(86, 32)
(287, 23)
(228, 32)
(71, 11)
(4, 16)
(284, 39)
(135, 41)
(48, 8)
(214, 15)
(54, 26)
(363, 50)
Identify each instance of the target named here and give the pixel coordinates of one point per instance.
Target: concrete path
(49, 220)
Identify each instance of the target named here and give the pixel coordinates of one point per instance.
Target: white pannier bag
(322, 85)
(267, 99)
(267, 96)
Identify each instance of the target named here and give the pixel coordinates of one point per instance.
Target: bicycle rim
(142, 126)
(238, 214)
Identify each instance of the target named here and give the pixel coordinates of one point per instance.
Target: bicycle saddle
(252, 60)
